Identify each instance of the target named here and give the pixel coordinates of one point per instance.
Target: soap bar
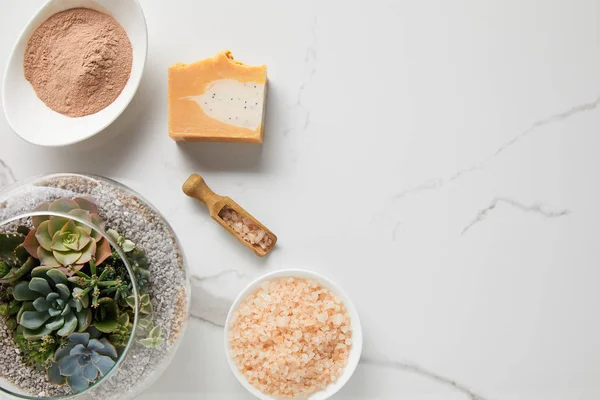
(217, 99)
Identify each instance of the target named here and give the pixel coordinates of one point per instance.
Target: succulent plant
(120, 336)
(4, 269)
(136, 258)
(14, 260)
(8, 246)
(50, 305)
(11, 324)
(107, 315)
(154, 338)
(36, 352)
(93, 283)
(118, 292)
(125, 244)
(13, 307)
(61, 241)
(82, 361)
(144, 303)
(17, 273)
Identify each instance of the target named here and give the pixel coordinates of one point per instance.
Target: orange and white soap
(218, 99)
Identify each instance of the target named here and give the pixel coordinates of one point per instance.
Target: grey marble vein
(383, 362)
(537, 208)
(212, 306)
(310, 59)
(437, 183)
(6, 175)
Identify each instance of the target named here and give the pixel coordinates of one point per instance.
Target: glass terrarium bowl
(145, 251)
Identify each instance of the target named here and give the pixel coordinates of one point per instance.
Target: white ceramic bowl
(357, 338)
(35, 122)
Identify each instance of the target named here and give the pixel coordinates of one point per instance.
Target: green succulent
(14, 260)
(11, 324)
(136, 258)
(139, 264)
(63, 242)
(37, 352)
(120, 336)
(94, 283)
(125, 244)
(154, 338)
(50, 305)
(107, 315)
(4, 269)
(13, 307)
(9, 242)
(9, 309)
(82, 361)
(118, 292)
(144, 303)
(5, 293)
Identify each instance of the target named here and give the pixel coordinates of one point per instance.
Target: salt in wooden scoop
(232, 217)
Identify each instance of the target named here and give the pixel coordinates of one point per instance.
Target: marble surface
(436, 158)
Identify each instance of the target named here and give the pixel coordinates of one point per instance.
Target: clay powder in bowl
(74, 70)
(78, 61)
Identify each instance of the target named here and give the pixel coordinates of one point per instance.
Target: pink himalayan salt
(291, 338)
(245, 228)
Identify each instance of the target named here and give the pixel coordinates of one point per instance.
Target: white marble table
(450, 148)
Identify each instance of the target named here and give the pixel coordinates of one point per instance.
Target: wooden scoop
(232, 217)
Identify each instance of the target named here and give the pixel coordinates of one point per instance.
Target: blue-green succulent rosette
(82, 361)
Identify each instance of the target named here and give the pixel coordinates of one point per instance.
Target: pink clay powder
(78, 61)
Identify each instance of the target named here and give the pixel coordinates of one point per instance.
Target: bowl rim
(93, 132)
(357, 335)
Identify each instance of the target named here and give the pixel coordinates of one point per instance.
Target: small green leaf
(83, 215)
(57, 276)
(69, 326)
(56, 224)
(84, 319)
(87, 252)
(21, 292)
(147, 342)
(34, 319)
(114, 235)
(84, 238)
(128, 246)
(130, 301)
(63, 205)
(66, 258)
(54, 375)
(155, 332)
(123, 319)
(36, 334)
(40, 285)
(47, 258)
(43, 236)
(55, 323)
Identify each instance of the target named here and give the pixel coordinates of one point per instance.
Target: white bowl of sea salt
(290, 331)
(33, 119)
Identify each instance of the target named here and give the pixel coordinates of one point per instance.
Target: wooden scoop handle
(195, 187)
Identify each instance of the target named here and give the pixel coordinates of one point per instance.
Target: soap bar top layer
(217, 99)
